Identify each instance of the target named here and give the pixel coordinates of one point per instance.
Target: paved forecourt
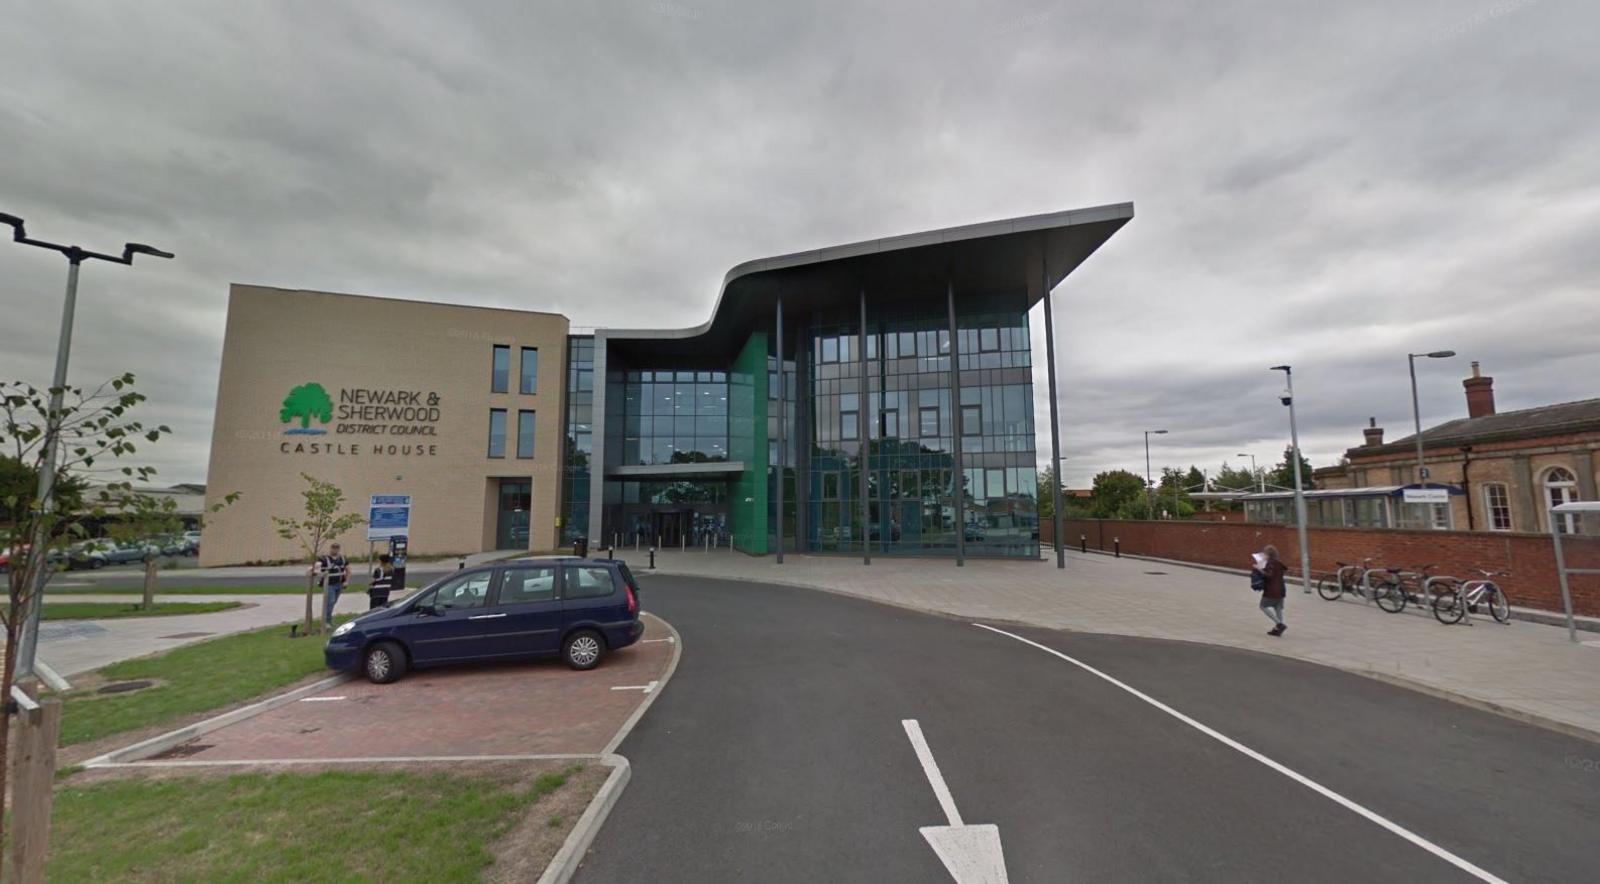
(494, 709)
(1524, 668)
(807, 736)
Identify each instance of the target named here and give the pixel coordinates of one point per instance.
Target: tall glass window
(529, 384)
(674, 417)
(524, 434)
(578, 433)
(913, 420)
(497, 432)
(500, 369)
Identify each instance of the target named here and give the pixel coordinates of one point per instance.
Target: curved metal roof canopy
(1008, 255)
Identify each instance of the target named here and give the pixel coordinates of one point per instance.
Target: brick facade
(1529, 558)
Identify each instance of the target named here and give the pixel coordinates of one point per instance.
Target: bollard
(1116, 545)
(461, 565)
(611, 553)
(652, 558)
(1083, 543)
(683, 542)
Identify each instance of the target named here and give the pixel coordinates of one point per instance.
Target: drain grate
(1157, 573)
(122, 687)
(189, 635)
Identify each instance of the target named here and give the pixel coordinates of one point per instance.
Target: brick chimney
(1373, 432)
(1480, 393)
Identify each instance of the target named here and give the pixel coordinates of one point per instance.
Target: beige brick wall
(278, 339)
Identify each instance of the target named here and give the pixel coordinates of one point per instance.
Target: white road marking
(647, 688)
(319, 699)
(931, 769)
(1303, 780)
(971, 854)
(669, 639)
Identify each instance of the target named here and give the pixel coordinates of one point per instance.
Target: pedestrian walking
(1267, 578)
(332, 571)
(382, 582)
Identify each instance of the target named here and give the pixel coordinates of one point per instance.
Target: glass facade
(578, 438)
(674, 417)
(911, 419)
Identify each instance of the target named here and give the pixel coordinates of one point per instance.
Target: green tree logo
(305, 402)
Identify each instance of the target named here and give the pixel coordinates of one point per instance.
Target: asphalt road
(777, 753)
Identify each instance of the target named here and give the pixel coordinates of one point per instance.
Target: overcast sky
(1327, 184)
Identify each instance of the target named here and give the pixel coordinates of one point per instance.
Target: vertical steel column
(782, 448)
(959, 477)
(861, 424)
(1055, 431)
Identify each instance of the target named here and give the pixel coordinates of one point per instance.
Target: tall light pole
(1261, 481)
(1149, 487)
(1416, 409)
(27, 641)
(1299, 492)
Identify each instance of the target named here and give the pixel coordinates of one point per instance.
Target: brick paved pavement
(521, 708)
(1524, 668)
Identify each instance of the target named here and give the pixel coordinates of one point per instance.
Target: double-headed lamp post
(1149, 487)
(1261, 482)
(1299, 491)
(27, 641)
(1416, 409)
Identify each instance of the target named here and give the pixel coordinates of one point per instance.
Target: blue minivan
(576, 608)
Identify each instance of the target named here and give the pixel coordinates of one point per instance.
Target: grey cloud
(1329, 185)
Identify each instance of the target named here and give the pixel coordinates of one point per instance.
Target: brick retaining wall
(1528, 557)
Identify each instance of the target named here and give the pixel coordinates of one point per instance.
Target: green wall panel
(747, 442)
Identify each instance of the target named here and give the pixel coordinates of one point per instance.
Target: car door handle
(485, 616)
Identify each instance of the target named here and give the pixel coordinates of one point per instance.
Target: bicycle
(1346, 579)
(1451, 606)
(1392, 591)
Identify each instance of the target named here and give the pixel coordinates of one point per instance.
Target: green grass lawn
(195, 678)
(331, 826)
(114, 610)
(180, 590)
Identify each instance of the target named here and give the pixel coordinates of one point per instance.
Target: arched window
(1561, 486)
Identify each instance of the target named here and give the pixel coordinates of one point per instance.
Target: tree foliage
(1282, 475)
(322, 522)
(1119, 494)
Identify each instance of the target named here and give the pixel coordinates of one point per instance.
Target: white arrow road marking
(971, 854)
(1248, 752)
(647, 688)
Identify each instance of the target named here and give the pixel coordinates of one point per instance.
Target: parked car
(132, 551)
(577, 609)
(191, 540)
(177, 544)
(78, 556)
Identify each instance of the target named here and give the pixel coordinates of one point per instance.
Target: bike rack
(1427, 592)
(1366, 581)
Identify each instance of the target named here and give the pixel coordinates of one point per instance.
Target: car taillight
(633, 600)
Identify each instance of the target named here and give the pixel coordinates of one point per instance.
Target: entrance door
(672, 528)
(511, 526)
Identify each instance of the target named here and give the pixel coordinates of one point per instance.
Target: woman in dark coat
(1273, 591)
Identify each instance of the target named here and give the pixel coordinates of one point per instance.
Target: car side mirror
(428, 610)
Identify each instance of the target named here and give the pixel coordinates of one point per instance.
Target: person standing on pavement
(333, 571)
(1273, 589)
(382, 582)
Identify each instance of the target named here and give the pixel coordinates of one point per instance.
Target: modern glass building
(868, 399)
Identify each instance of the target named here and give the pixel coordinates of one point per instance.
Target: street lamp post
(27, 641)
(1299, 491)
(1261, 481)
(1149, 486)
(1416, 408)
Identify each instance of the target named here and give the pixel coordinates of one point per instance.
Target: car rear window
(627, 576)
(588, 583)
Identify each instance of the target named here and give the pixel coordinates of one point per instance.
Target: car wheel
(583, 649)
(96, 564)
(384, 663)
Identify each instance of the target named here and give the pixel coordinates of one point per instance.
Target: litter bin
(580, 547)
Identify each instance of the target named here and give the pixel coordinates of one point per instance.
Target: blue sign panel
(389, 515)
